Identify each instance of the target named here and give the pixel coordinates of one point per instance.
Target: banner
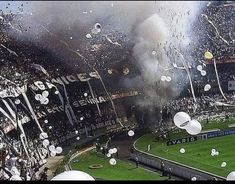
(220, 133)
(231, 85)
(181, 140)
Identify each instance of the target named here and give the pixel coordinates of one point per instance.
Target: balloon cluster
(183, 121)
(54, 150)
(214, 152)
(199, 68)
(42, 97)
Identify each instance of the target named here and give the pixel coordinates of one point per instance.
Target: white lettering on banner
(40, 85)
(231, 85)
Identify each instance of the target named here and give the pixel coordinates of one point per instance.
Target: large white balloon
(58, 150)
(181, 119)
(193, 127)
(112, 161)
(45, 142)
(73, 175)
(231, 176)
(131, 133)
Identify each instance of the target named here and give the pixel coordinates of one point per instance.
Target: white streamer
(217, 76)
(108, 96)
(31, 110)
(93, 96)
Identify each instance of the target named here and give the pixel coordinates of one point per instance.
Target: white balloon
(53, 153)
(50, 127)
(114, 150)
(212, 154)
(194, 178)
(17, 101)
(181, 119)
(58, 150)
(78, 138)
(43, 135)
(85, 94)
(111, 151)
(231, 176)
(73, 175)
(45, 94)
(112, 161)
(131, 133)
(216, 153)
(207, 87)
(199, 67)
(193, 127)
(16, 178)
(154, 52)
(168, 78)
(163, 78)
(81, 118)
(223, 164)
(213, 150)
(182, 150)
(44, 101)
(108, 155)
(38, 97)
(45, 142)
(52, 147)
(56, 92)
(76, 132)
(46, 121)
(203, 73)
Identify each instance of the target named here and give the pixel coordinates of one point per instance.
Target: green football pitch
(123, 170)
(197, 154)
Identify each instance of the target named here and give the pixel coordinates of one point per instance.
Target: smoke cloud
(154, 28)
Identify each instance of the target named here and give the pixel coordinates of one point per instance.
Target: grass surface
(198, 154)
(121, 171)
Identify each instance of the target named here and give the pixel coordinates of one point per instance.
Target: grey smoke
(156, 26)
